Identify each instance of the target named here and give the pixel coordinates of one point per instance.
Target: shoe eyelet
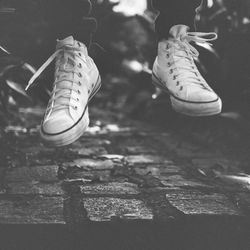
(88, 91)
(178, 83)
(80, 65)
(77, 99)
(79, 54)
(174, 77)
(181, 88)
(171, 71)
(169, 65)
(79, 74)
(78, 91)
(167, 55)
(75, 107)
(79, 83)
(79, 44)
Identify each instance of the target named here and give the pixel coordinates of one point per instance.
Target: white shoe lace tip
(29, 84)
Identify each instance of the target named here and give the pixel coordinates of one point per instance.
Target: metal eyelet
(181, 88)
(169, 64)
(77, 99)
(174, 77)
(171, 71)
(167, 55)
(79, 74)
(75, 107)
(178, 83)
(79, 83)
(80, 65)
(78, 91)
(79, 54)
(79, 44)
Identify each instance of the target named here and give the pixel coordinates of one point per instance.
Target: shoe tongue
(178, 31)
(67, 41)
(68, 62)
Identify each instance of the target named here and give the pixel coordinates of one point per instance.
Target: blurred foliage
(124, 49)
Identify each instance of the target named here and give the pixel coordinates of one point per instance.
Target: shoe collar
(70, 41)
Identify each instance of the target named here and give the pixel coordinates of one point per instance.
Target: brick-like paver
(106, 209)
(31, 210)
(127, 171)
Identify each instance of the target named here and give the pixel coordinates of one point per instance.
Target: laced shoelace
(191, 53)
(65, 54)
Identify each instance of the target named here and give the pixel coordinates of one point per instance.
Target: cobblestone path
(126, 170)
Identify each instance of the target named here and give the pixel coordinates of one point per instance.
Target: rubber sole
(196, 109)
(71, 135)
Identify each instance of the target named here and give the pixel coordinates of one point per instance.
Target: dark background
(121, 39)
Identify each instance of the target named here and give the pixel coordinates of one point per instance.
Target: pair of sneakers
(77, 80)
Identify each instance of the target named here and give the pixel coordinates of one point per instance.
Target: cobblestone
(113, 188)
(85, 151)
(176, 181)
(135, 150)
(38, 210)
(39, 173)
(197, 203)
(146, 159)
(118, 171)
(158, 170)
(101, 175)
(90, 164)
(105, 209)
(32, 188)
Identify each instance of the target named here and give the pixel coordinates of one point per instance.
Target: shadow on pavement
(193, 233)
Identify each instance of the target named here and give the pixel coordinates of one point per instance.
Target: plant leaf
(17, 87)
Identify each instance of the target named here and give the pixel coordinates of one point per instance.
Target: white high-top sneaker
(175, 72)
(77, 80)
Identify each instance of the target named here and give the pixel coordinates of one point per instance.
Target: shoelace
(63, 54)
(191, 53)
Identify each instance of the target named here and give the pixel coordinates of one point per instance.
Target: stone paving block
(113, 157)
(197, 203)
(158, 170)
(25, 188)
(113, 188)
(87, 151)
(91, 164)
(178, 181)
(208, 163)
(243, 200)
(28, 174)
(101, 175)
(90, 142)
(38, 210)
(104, 209)
(146, 159)
(33, 150)
(135, 150)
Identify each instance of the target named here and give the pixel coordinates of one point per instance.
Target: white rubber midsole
(69, 136)
(191, 108)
